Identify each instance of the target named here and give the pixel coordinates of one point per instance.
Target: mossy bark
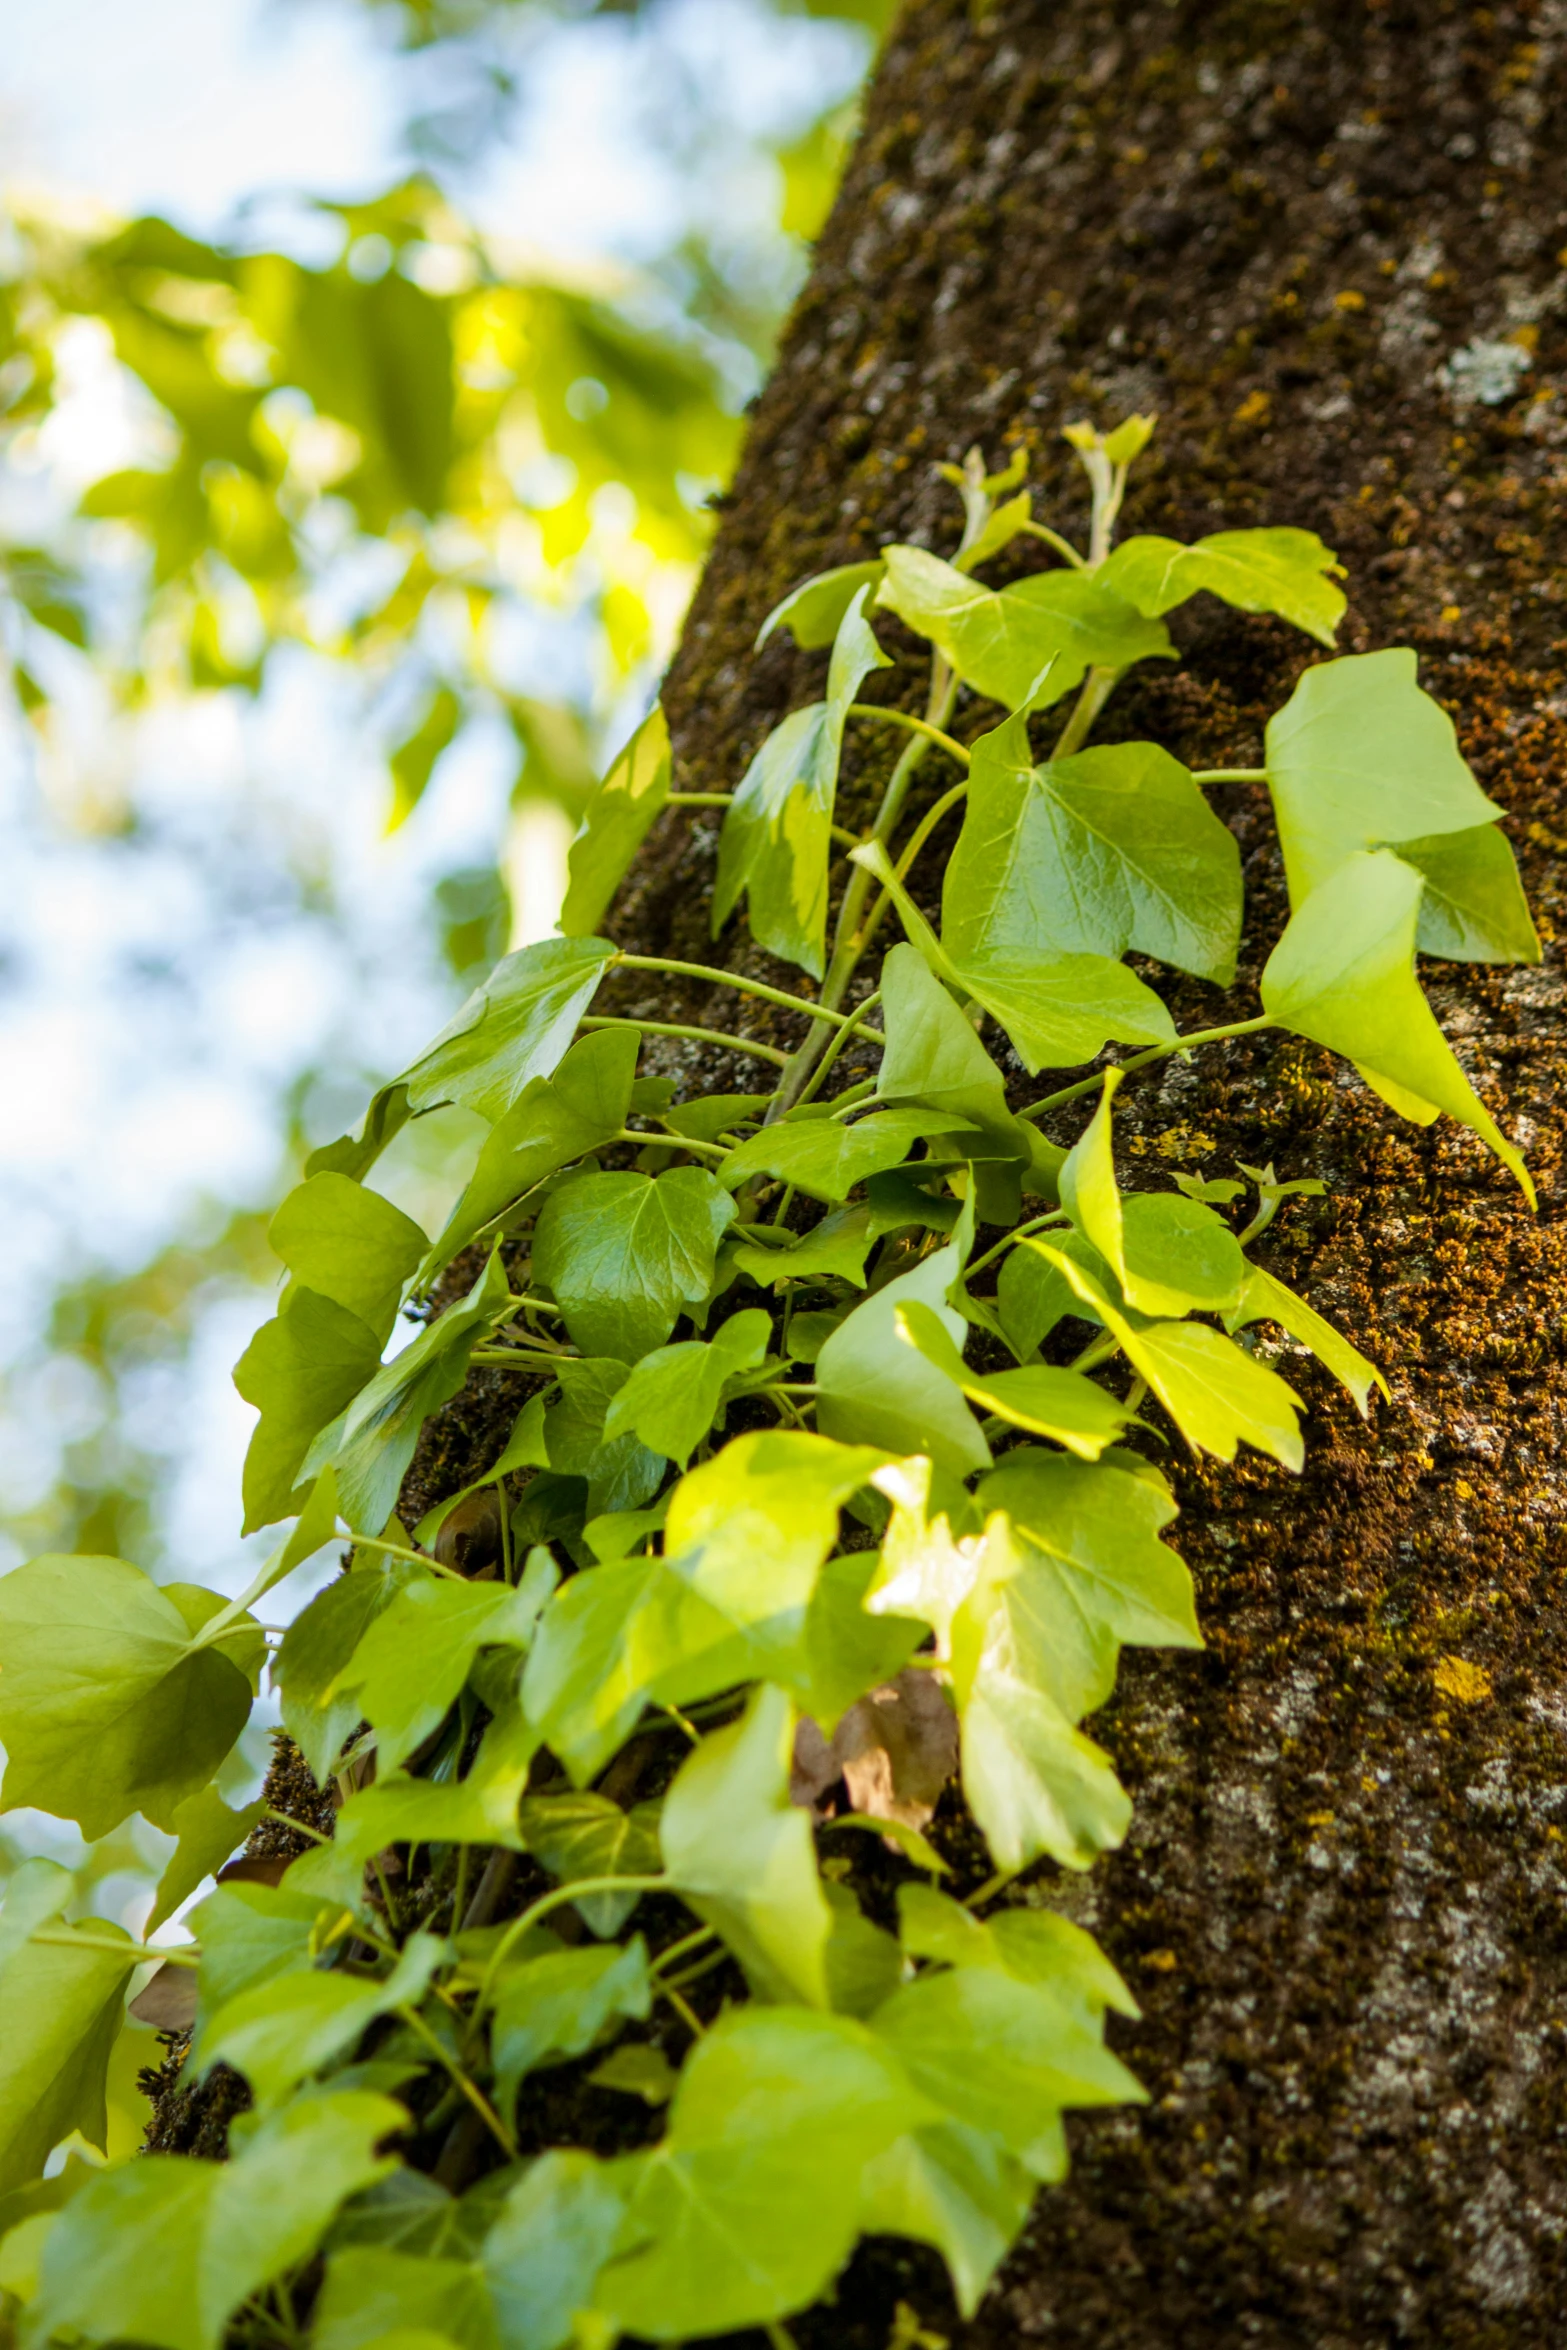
(1343, 1903)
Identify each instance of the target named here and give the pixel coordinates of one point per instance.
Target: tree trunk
(1341, 1903)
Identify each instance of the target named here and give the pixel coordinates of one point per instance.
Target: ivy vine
(832, 1474)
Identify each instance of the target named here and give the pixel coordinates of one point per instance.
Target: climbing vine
(834, 1475)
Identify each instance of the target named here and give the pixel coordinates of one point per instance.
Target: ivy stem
(1229, 775)
(298, 1827)
(400, 1550)
(555, 1900)
(735, 1044)
(920, 835)
(470, 2088)
(1097, 688)
(537, 1305)
(1097, 1351)
(1053, 538)
(1020, 1232)
(683, 2008)
(698, 799)
(849, 939)
(891, 717)
(677, 1950)
(836, 1047)
(1156, 1052)
(136, 1953)
(674, 1142)
(716, 978)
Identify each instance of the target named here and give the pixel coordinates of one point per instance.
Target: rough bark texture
(1342, 1902)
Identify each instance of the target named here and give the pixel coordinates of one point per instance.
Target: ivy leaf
(208, 1832)
(551, 2009)
(1266, 1300)
(1034, 1783)
(1005, 2057)
(350, 1245)
(301, 1370)
(1343, 975)
(1280, 571)
(577, 1836)
(933, 1055)
(1035, 1945)
(382, 1424)
(999, 642)
(834, 1249)
(1092, 1574)
(609, 1640)
(872, 1389)
(63, 2011)
(826, 1157)
(1060, 1404)
(743, 1856)
(556, 2229)
(777, 829)
(813, 612)
(673, 1396)
(105, 1708)
(377, 2295)
(355, 1155)
(843, 1651)
(553, 1121)
(277, 2033)
(1358, 757)
(956, 2189)
(926, 1568)
(1473, 909)
(733, 2225)
(622, 1254)
(315, 1649)
(479, 1808)
(1217, 1396)
(165, 2249)
(1104, 852)
(414, 1656)
(512, 1029)
(251, 1933)
(1170, 1255)
(619, 817)
(1032, 1296)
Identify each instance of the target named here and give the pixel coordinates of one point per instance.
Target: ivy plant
(832, 1494)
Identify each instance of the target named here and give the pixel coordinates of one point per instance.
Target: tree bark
(1341, 1903)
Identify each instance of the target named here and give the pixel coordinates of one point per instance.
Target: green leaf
(553, 1121)
(622, 1254)
(926, 1569)
(842, 1651)
(300, 1371)
(251, 1933)
(933, 1055)
(379, 2298)
(1473, 909)
(63, 2009)
(555, 2231)
(619, 817)
(1170, 1255)
(813, 612)
(512, 1029)
(749, 1530)
(621, 1474)
(744, 1857)
(350, 1245)
(551, 2009)
(1266, 1300)
(480, 1808)
(1060, 1404)
(382, 1424)
(1106, 851)
(277, 2033)
(104, 1707)
(777, 830)
(1343, 975)
(834, 1249)
(826, 1157)
(1005, 2057)
(1358, 757)
(609, 1640)
(1000, 642)
(956, 2189)
(208, 1832)
(1281, 571)
(1032, 1297)
(872, 1389)
(716, 1114)
(673, 1396)
(1217, 1396)
(1034, 1783)
(163, 2250)
(412, 761)
(316, 1647)
(577, 1836)
(414, 1657)
(355, 1155)
(734, 2224)
(1092, 1574)
(1035, 1945)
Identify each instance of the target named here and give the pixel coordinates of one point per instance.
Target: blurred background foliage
(339, 546)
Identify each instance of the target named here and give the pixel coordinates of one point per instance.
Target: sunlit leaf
(350, 1245)
(872, 1389)
(553, 2008)
(1061, 1404)
(63, 2010)
(813, 612)
(1282, 571)
(1000, 642)
(277, 2033)
(673, 1395)
(576, 1836)
(1265, 1299)
(1473, 909)
(826, 1157)
(514, 1028)
(619, 817)
(622, 1254)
